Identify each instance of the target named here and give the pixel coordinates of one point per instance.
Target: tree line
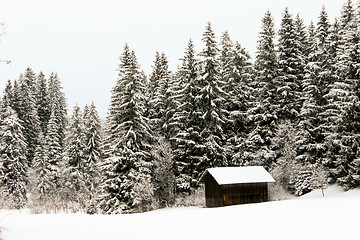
(294, 110)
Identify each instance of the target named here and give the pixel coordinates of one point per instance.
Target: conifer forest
(294, 109)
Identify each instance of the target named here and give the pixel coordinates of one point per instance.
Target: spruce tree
(93, 151)
(42, 102)
(54, 138)
(190, 149)
(57, 106)
(212, 97)
(162, 103)
(74, 166)
(240, 98)
(290, 66)
(340, 99)
(26, 109)
(262, 115)
(13, 160)
(126, 181)
(43, 187)
(347, 167)
(7, 98)
(53, 141)
(309, 139)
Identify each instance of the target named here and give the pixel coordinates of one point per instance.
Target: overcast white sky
(82, 40)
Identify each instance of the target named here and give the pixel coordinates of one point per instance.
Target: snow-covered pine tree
(85, 112)
(190, 149)
(303, 44)
(262, 116)
(57, 105)
(13, 160)
(41, 178)
(126, 172)
(351, 47)
(266, 64)
(226, 73)
(241, 98)
(7, 98)
(74, 163)
(339, 96)
(348, 168)
(347, 15)
(226, 63)
(290, 67)
(26, 109)
(93, 151)
(42, 102)
(334, 49)
(55, 128)
(54, 148)
(319, 75)
(323, 58)
(309, 139)
(161, 102)
(212, 98)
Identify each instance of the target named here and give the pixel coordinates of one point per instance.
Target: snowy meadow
(309, 217)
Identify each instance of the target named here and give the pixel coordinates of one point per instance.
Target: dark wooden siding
(213, 192)
(244, 193)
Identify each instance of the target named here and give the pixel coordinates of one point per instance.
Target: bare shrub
(193, 199)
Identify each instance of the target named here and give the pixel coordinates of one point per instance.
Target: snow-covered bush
(195, 198)
(164, 177)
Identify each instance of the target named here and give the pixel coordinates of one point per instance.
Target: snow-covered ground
(335, 216)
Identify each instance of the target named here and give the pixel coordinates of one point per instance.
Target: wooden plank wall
(244, 193)
(213, 193)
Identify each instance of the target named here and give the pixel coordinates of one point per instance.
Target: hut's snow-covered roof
(235, 175)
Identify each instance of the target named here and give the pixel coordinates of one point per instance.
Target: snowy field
(312, 216)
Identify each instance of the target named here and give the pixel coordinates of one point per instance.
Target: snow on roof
(234, 175)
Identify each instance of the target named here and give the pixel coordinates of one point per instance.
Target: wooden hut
(235, 185)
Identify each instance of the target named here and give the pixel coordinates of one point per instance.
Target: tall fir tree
(309, 140)
(74, 165)
(211, 104)
(41, 175)
(242, 100)
(54, 147)
(57, 106)
(262, 116)
(93, 151)
(190, 149)
(56, 128)
(347, 168)
(26, 109)
(162, 104)
(13, 160)
(42, 102)
(290, 66)
(7, 98)
(126, 172)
